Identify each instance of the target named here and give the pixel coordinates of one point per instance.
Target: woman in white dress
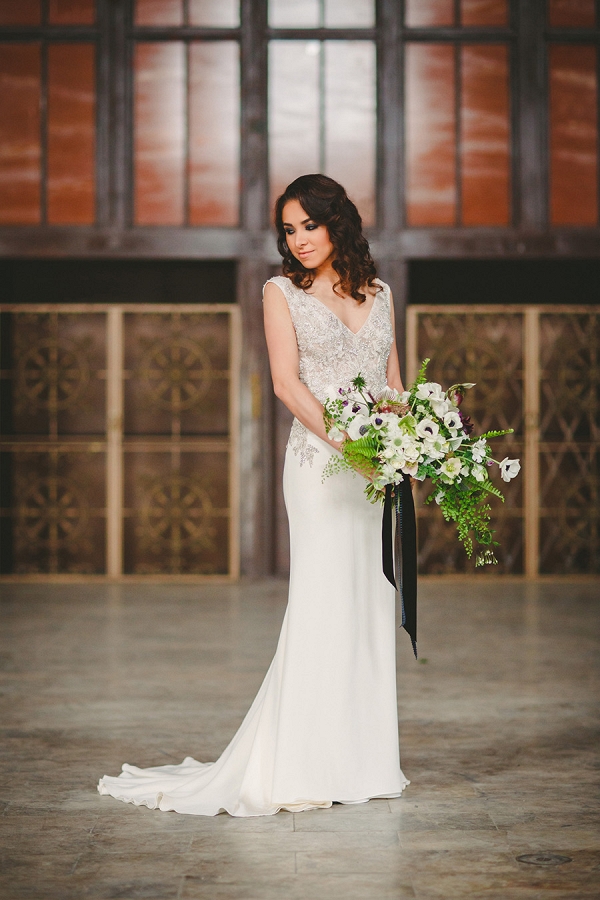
(323, 727)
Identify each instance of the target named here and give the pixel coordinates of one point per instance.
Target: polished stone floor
(499, 735)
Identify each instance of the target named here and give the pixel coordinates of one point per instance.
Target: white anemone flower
(509, 468)
(452, 420)
(380, 420)
(353, 429)
(427, 428)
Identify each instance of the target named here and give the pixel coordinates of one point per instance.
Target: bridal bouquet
(422, 433)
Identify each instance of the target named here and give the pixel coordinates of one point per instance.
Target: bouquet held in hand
(421, 433)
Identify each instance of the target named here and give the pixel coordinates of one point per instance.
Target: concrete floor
(499, 735)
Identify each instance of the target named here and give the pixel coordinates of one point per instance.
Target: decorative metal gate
(119, 440)
(537, 370)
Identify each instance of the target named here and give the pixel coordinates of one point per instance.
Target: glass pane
(20, 151)
(292, 14)
(218, 13)
(214, 117)
(71, 134)
(342, 14)
(159, 12)
(483, 12)
(23, 12)
(350, 120)
(573, 135)
(430, 135)
(294, 113)
(71, 12)
(485, 134)
(572, 13)
(159, 133)
(422, 13)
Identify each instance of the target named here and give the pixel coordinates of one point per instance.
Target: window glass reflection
(294, 111)
(159, 12)
(342, 14)
(159, 133)
(215, 13)
(350, 120)
(321, 13)
(214, 113)
(322, 115)
(292, 14)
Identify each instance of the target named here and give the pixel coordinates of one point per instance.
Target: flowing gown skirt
(324, 724)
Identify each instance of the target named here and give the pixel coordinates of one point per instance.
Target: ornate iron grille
(119, 440)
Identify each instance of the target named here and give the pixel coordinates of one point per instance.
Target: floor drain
(544, 859)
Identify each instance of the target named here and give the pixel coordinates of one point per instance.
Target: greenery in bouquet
(422, 433)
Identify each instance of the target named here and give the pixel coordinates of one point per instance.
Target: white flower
(440, 407)
(353, 429)
(430, 390)
(452, 421)
(335, 434)
(478, 450)
(509, 468)
(411, 450)
(451, 468)
(410, 468)
(435, 449)
(427, 428)
(392, 395)
(479, 472)
(380, 420)
(439, 497)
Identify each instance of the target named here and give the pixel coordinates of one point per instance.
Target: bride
(323, 727)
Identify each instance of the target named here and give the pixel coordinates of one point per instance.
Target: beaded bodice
(331, 355)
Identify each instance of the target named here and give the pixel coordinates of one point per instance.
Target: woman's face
(307, 241)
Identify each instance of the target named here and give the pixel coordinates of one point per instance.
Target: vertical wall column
(531, 455)
(256, 406)
(114, 443)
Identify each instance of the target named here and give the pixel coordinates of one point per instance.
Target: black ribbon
(400, 554)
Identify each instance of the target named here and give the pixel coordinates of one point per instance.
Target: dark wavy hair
(327, 203)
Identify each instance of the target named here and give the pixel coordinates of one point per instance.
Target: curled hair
(326, 203)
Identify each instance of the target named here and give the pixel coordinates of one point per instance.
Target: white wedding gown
(324, 724)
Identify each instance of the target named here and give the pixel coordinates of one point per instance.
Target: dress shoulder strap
(283, 283)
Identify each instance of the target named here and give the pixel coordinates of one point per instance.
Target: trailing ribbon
(400, 554)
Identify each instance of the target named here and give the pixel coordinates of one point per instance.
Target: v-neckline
(335, 316)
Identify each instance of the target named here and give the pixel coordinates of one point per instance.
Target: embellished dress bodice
(331, 355)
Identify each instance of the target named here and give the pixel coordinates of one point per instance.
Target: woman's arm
(284, 361)
(394, 379)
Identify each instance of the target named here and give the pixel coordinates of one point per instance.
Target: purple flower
(466, 422)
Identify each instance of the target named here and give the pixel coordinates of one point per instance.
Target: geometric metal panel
(119, 440)
(570, 443)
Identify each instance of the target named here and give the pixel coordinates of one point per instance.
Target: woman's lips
(304, 253)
